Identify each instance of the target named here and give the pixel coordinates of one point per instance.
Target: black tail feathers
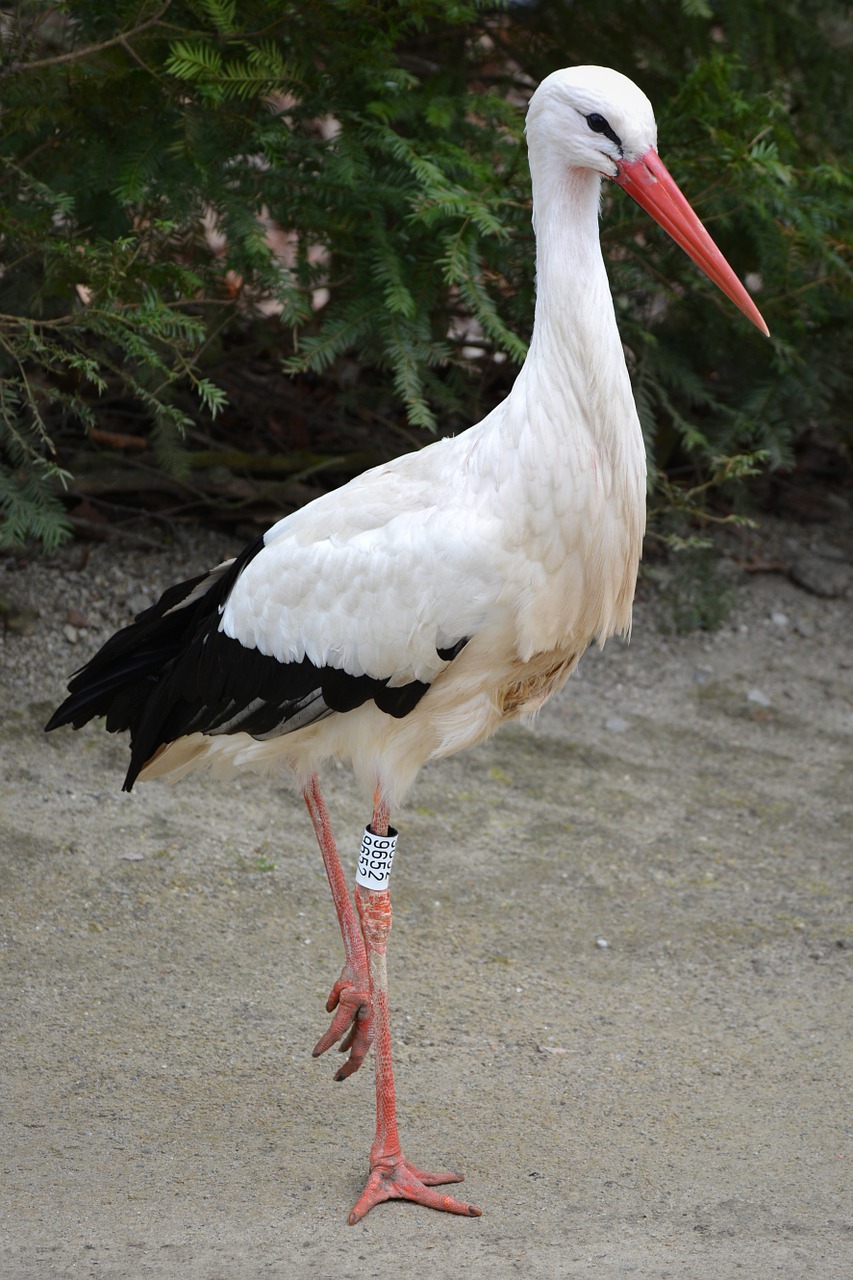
(118, 681)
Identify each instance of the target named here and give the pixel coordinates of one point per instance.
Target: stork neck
(574, 310)
(574, 383)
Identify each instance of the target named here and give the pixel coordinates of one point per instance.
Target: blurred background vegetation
(250, 247)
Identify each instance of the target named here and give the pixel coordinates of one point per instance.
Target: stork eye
(598, 124)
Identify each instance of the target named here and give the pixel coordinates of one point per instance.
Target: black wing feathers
(171, 672)
(116, 682)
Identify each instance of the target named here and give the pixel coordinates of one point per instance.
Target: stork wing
(366, 594)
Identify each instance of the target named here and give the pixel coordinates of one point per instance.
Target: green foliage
(381, 145)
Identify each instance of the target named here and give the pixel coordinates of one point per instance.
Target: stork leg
(391, 1176)
(350, 996)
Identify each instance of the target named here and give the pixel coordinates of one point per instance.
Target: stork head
(592, 118)
(595, 118)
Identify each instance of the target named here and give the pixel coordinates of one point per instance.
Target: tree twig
(76, 55)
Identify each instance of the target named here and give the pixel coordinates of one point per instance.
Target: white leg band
(374, 859)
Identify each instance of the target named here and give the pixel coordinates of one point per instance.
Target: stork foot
(350, 1002)
(394, 1178)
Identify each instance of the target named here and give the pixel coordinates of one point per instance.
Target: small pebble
(778, 618)
(822, 575)
(601, 943)
(760, 699)
(615, 724)
(70, 633)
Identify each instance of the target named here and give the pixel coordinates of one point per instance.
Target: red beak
(655, 190)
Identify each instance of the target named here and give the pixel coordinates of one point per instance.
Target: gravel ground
(619, 969)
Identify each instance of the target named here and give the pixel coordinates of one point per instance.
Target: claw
(352, 1024)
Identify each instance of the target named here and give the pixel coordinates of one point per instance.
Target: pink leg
(350, 995)
(391, 1176)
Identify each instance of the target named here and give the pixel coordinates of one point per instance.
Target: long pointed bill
(655, 190)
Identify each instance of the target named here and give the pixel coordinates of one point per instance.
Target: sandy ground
(619, 974)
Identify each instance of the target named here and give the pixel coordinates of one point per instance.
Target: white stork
(428, 601)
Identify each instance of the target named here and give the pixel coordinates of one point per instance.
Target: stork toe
(352, 1023)
(394, 1178)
